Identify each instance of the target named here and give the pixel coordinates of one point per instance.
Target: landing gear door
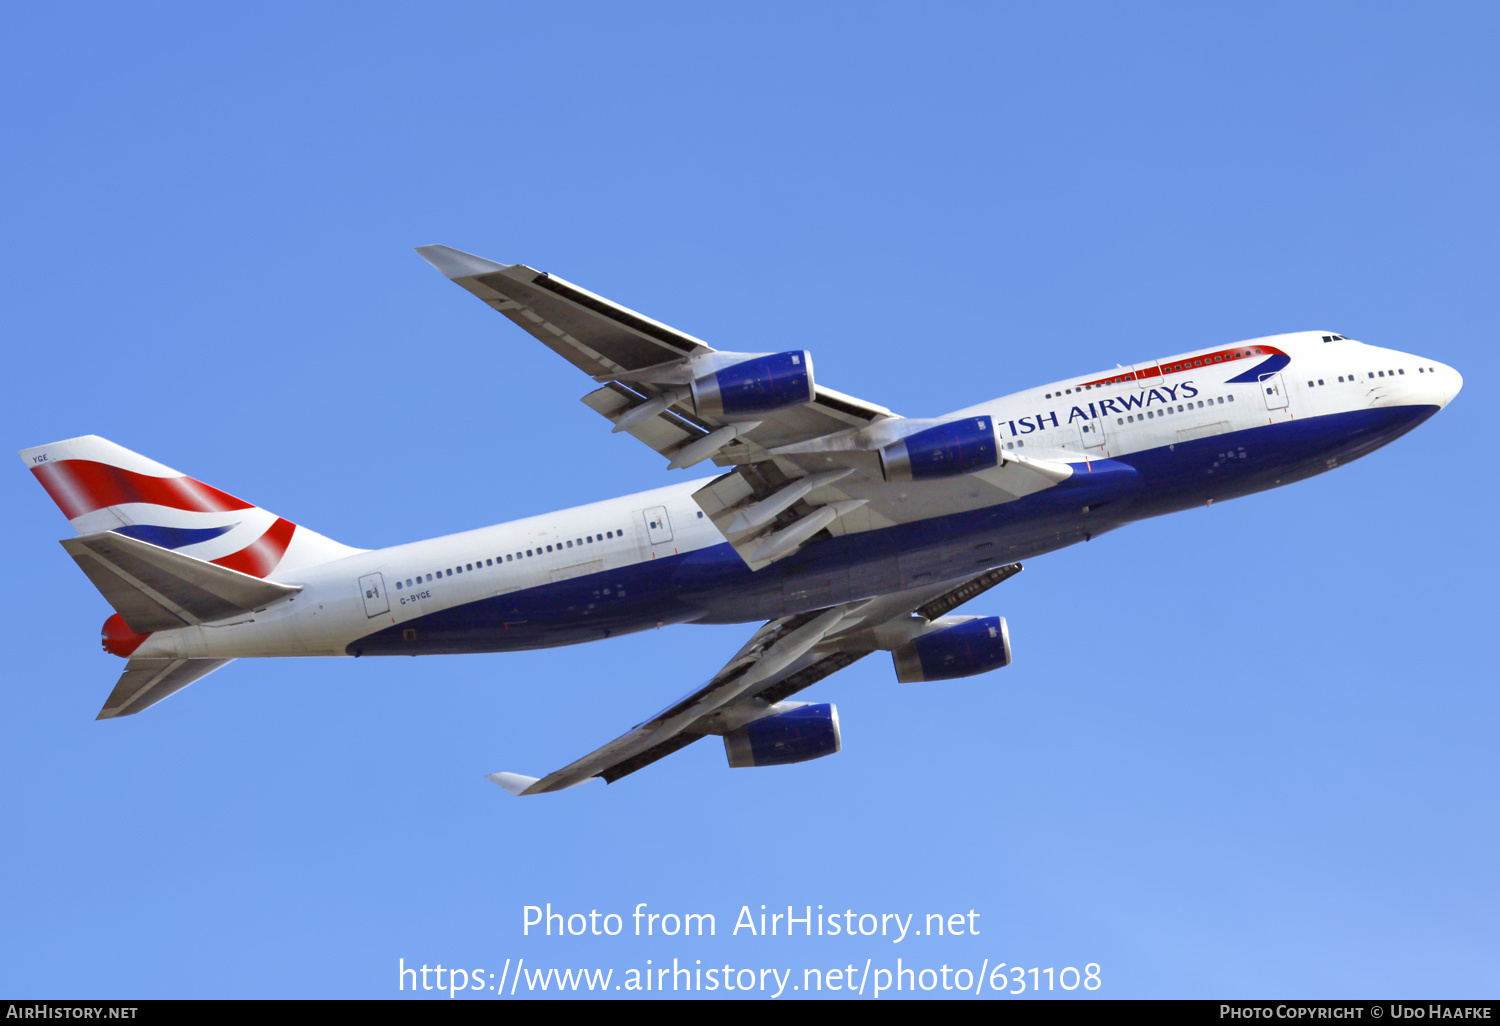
(372, 586)
(658, 527)
(1273, 391)
(1092, 433)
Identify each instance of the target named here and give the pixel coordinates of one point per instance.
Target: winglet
(455, 263)
(515, 783)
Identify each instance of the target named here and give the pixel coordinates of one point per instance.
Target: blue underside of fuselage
(714, 585)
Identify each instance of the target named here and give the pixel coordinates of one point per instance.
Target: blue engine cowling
(758, 385)
(961, 650)
(958, 447)
(797, 735)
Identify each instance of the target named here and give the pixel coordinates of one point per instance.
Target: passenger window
(398, 585)
(1401, 371)
(450, 573)
(570, 545)
(1119, 420)
(1320, 381)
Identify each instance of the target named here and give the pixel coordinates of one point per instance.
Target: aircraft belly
(1238, 463)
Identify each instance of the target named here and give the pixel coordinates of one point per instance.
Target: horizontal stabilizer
(147, 681)
(155, 589)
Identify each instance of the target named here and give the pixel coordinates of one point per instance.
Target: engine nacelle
(947, 450)
(757, 385)
(800, 733)
(966, 646)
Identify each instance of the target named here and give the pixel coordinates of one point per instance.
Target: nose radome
(1457, 384)
(1449, 384)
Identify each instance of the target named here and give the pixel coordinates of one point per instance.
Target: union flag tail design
(101, 486)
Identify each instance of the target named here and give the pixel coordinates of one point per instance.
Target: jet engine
(959, 646)
(757, 385)
(947, 450)
(794, 732)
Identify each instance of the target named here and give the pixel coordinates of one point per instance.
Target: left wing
(809, 461)
(782, 658)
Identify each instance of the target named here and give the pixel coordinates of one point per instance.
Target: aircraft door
(373, 587)
(1147, 375)
(1273, 391)
(658, 526)
(1092, 432)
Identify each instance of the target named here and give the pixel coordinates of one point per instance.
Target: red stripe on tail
(82, 486)
(261, 556)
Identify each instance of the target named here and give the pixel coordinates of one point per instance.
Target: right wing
(782, 658)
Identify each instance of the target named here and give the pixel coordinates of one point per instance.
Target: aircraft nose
(1434, 384)
(1449, 381)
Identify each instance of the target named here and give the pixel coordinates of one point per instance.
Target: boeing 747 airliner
(848, 528)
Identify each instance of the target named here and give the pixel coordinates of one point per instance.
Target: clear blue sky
(1242, 751)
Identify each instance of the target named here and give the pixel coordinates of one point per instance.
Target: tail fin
(101, 486)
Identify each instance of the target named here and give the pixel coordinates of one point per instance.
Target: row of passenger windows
(1153, 414)
(1399, 372)
(509, 557)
